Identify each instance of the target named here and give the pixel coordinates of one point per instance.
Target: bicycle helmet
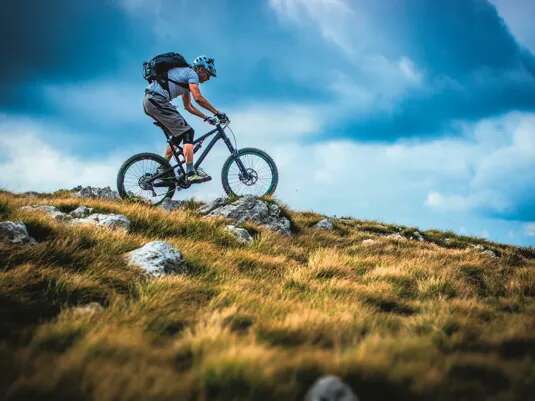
(206, 62)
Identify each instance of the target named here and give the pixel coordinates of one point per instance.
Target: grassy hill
(397, 319)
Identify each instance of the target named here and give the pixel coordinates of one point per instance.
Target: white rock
(157, 258)
(396, 236)
(95, 192)
(324, 224)
(112, 221)
(368, 242)
(241, 234)
(88, 309)
(330, 388)
(256, 211)
(81, 212)
(170, 204)
(15, 233)
(489, 253)
(50, 210)
(417, 235)
(218, 202)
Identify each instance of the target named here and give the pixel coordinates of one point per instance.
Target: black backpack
(156, 69)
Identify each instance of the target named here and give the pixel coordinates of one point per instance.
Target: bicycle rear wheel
(134, 180)
(259, 179)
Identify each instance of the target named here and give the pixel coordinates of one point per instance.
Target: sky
(411, 112)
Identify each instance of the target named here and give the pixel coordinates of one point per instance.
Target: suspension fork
(233, 152)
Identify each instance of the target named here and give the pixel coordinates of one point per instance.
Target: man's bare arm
(186, 99)
(201, 100)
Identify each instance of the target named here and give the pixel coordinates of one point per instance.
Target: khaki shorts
(159, 108)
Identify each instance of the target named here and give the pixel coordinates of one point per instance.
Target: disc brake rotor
(250, 178)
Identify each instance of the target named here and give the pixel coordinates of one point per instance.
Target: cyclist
(184, 82)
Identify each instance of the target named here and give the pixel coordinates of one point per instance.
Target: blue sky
(406, 111)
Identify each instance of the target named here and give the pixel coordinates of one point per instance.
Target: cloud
(518, 14)
(29, 163)
(485, 200)
(60, 40)
(502, 170)
(422, 67)
(277, 122)
(377, 73)
(407, 182)
(104, 100)
(530, 229)
(336, 20)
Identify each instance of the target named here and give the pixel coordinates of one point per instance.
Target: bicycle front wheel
(134, 180)
(259, 176)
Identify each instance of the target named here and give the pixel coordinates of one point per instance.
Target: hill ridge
(398, 313)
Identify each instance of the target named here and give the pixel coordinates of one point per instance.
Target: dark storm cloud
(473, 69)
(58, 40)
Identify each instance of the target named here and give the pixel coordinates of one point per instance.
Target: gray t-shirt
(185, 75)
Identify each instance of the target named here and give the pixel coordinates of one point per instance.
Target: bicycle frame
(178, 150)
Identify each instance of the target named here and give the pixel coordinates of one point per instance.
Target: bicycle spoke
(134, 176)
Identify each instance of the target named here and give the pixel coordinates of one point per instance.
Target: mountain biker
(184, 82)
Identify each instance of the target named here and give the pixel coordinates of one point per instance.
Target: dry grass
(397, 319)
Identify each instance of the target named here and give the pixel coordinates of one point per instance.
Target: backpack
(156, 69)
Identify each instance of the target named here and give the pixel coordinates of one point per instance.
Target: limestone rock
(216, 203)
(15, 233)
(81, 212)
(96, 192)
(91, 308)
(330, 388)
(241, 234)
(396, 236)
(484, 251)
(324, 224)
(157, 258)
(170, 205)
(249, 208)
(417, 235)
(490, 253)
(50, 210)
(112, 221)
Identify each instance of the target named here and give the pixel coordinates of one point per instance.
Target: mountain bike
(151, 178)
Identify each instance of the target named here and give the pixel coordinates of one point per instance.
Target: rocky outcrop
(241, 234)
(396, 236)
(15, 233)
(330, 388)
(216, 203)
(484, 251)
(50, 210)
(417, 236)
(324, 224)
(95, 192)
(81, 212)
(83, 215)
(249, 208)
(112, 221)
(170, 204)
(157, 258)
